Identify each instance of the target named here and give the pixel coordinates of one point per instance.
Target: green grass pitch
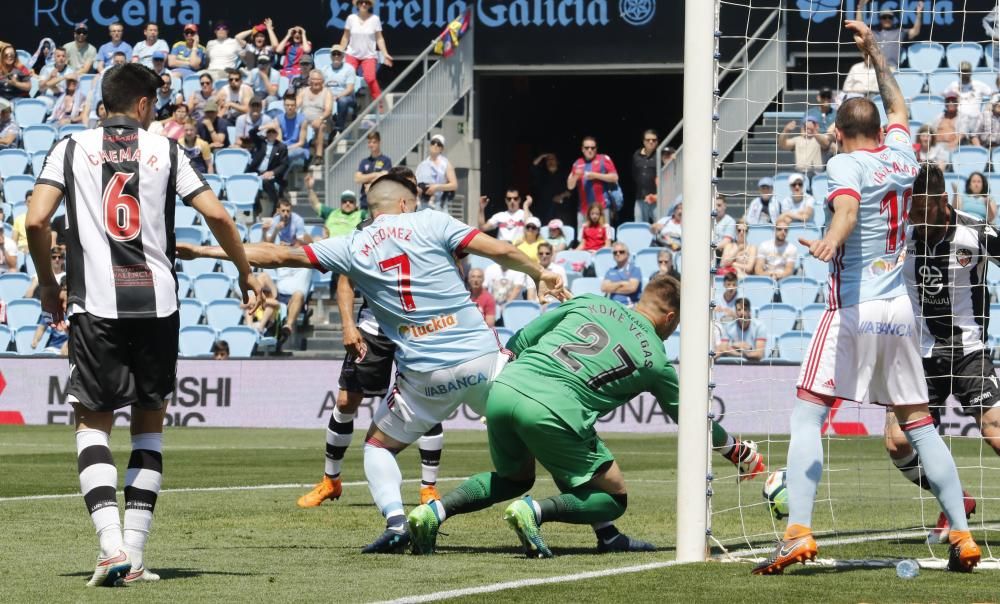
(212, 543)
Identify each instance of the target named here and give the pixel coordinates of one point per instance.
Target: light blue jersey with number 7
(404, 265)
(881, 179)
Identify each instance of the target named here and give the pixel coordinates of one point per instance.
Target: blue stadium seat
(604, 260)
(233, 211)
(503, 334)
(781, 188)
(793, 345)
(778, 318)
(13, 162)
(592, 285)
(938, 81)
(17, 187)
(228, 268)
(190, 84)
(990, 64)
(883, 118)
(276, 109)
(198, 266)
(185, 216)
(23, 312)
(215, 182)
(191, 311)
(190, 234)
(241, 190)
(196, 341)
(38, 137)
(241, 339)
(635, 235)
(672, 346)
(758, 289)
(951, 180)
(985, 76)
(211, 286)
(811, 315)
(480, 262)
(220, 314)
(24, 56)
(519, 313)
(925, 56)
(646, 261)
(759, 233)
(183, 285)
(38, 161)
(23, 337)
(70, 130)
(283, 83)
(968, 159)
(13, 286)
(28, 112)
(814, 268)
(230, 162)
(926, 108)
(321, 58)
(963, 51)
(798, 291)
(5, 337)
(574, 260)
(20, 208)
(911, 82)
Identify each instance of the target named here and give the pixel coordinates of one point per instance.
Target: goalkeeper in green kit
(575, 363)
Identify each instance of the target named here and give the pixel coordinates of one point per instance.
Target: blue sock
(384, 480)
(939, 468)
(805, 460)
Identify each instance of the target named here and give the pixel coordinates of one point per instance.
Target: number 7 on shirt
(401, 263)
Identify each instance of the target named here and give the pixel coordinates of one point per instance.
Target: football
(776, 494)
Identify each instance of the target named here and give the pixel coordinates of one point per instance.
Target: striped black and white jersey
(946, 282)
(119, 184)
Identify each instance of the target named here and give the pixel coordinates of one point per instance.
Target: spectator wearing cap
(372, 167)
(971, 94)
(188, 55)
(531, 239)
(555, 236)
(946, 125)
(362, 40)
(644, 171)
(667, 230)
(294, 133)
(160, 63)
(509, 223)
(212, 128)
(234, 98)
(316, 105)
(341, 221)
(293, 47)
(622, 282)
(306, 66)
(143, 50)
(824, 112)
(889, 33)
(10, 133)
(52, 79)
(251, 125)
(262, 43)
(199, 97)
(106, 53)
(987, 132)
(223, 52)
(808, 145)
(436, 177)
(270, 161)
(340, 79)
(798, 206)
(80, 54)
(264, 79)
(764, 209)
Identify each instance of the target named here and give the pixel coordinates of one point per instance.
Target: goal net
(770, 164)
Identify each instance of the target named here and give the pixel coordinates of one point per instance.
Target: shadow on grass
(177, 573)
(518, 552)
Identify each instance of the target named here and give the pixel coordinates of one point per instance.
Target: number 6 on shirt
(401, 263)
(121, 210)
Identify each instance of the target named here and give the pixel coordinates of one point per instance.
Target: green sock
(481, 491)
(582, 506)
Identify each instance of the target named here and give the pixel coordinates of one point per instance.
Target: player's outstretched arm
(509, 257)
(892, 96)
(261, 255)
(222, 226)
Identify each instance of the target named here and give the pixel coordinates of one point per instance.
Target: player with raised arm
(120, 183)
(574, 364)
(866, 345)
(404, 265)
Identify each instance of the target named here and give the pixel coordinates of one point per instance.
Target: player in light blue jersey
(404, 264)
(866, 346)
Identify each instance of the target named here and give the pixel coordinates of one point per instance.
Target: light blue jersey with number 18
(404, 265)
(881, 179)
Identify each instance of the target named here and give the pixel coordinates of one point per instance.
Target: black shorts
(119, 362)
(970, 379)
(371, 375)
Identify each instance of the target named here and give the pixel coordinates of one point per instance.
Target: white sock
(142, 487)
(99, 484)
(430, 458)
(384, 480)
(339, 433)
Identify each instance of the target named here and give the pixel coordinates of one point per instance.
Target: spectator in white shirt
(143, 51)
(506, 285)
(724, 232)
(668, 229)
(971, 94)
(777, 258)
(223, 52)
(764, 209)
(798, 206)
(509, 224)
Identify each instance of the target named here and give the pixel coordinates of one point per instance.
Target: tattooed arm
(892, 97)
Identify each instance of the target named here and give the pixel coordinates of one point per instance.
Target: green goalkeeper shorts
(520, 428)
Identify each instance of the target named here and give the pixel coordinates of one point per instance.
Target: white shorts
(870, 351)
(418, 401)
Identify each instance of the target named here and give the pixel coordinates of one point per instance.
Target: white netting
(865, 509)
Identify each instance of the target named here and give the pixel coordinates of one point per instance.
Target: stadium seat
(758, 289)
(480, 262)
(635, 235)
(592, 285)
(953, 180)
(211, 286)
(215, 182)
(911, 82)
(183, 285)
(519, 313)
(316, 231)
(672, 346)
(70, 130)
(13, 162)
(23, 337)
(190, 234)
(811, 315)
(198, 266)
(196, 341)
(604, 260)
(503, 334)
(24, 56)
(256, 234)
(778, 318)
(968, 159)
(13, 286)
(925, 56)
(926, 107)
(939, 81)
(814, 268)
(228, 268)
(985, 76)
(38, 137)
(220, 314)
(29, 112)
(38, 161)
(792, 345)
(574, 260)
(883, 118)
(963, 51)
(798, 291)
(19, 208)
(276, 109)
(283, 83)
(23, 312)
(230, 162)
(241, 190)
(185, 216)
(5, 337)
(190, 84)
(988, 55)
(16, 188)
(646, 261)
(241, 339)
(233, 211)
(191, 311)
(321, 58)
(781, 188)
(759, 233)
(798, 229)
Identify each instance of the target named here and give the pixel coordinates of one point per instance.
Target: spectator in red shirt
(589, 177)
(594, 233)
(481, 298)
